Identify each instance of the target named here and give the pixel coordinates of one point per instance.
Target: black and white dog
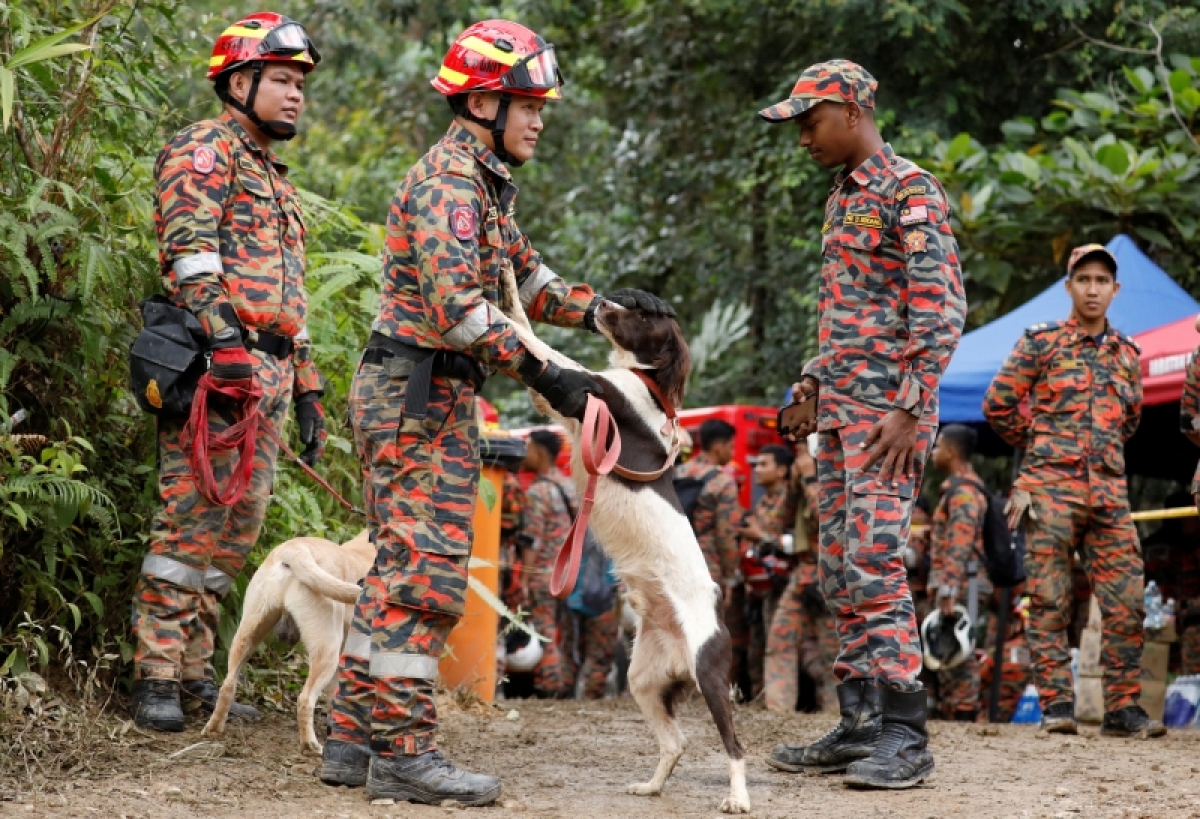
(682, 643)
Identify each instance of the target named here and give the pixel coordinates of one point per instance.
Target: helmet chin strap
(497, 127)
(276, 129)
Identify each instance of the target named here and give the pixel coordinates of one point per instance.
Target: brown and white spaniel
(682, 643)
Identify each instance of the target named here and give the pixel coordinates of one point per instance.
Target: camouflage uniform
(1085, 400)
(715, 517)
(589, 648)
(775, 511)
(450, 230)
(891, 313)
(957, 531)
(548, 516)
(230, 233)
(1189, 594)
(512, 502)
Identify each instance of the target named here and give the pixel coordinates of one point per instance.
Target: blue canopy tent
(1148, 299)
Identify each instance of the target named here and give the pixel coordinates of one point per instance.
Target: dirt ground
(574, 760)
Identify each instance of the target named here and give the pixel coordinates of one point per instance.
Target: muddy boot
(852, 738)
(902, 758)
(201, 695)
(156, 705)
(1131, 721)
(345, 763)
(1059, 718)
(429, 779)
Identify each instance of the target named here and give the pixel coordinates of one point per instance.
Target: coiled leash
(240, 438)
(600, 447)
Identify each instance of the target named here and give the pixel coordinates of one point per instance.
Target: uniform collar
(870, 168)
(1078, 334)
(964, 471)
(268, 155)
(483, 154)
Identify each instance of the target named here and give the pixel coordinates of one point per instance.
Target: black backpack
(689, 490)
(167, 358)
(1003, 550)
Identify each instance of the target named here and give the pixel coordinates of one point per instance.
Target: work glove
(1019, 503)
(632, 299)
(310, 417)
(566, 390)
(231, 365)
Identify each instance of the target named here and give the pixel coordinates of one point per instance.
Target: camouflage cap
(836, 80)
(1092, 252)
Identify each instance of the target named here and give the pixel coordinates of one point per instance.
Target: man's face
(524, 123)
(1092, 287)
(942, 456)
(535, 457)
(280, 94)
(768, 473)
(825, 132)
(721, 452)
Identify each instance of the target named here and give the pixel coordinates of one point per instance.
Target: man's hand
(231, 365)
(632, 299)
(752, 531)
(310, 416)
(893, 443)
(806, 388)
(1018, 504)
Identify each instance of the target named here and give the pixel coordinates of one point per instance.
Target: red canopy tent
(1166, 351)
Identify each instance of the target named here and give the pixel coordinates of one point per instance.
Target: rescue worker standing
(956, 540)
(891, 312)
(231, 250)
(1189, 598)
(1082, 380)
(716, 513)
(450, 231)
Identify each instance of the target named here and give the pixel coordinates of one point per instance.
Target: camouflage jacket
(512, 503)
(891, 300)
(1084, 402)
(1189, 407)
(450, 229)
(716, 516)
(546, 520)
(957, 537)
(230, 231)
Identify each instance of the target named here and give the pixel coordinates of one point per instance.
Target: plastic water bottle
(1154, 607)
(1029, 707)
(1183, 702)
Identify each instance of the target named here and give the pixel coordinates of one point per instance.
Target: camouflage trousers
(421, 477)
(760, 611)
(1189, 647)
(550, 677)
(589, 648)
(959, 689)
(801, 638)
(198, 548)
(864, 532)
(1108, 544)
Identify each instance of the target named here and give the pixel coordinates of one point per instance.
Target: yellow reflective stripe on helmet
(215, 61)
(553, 94)
(451, 76)
(243, 31)
(490, 51)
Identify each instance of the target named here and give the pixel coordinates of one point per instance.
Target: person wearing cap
(1070, 396)
(451, 233)
(891, 311)
(231, 249)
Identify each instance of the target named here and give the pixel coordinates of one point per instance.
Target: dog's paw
(644, 789)
(736, 804)
(311, 747)
(211, 728)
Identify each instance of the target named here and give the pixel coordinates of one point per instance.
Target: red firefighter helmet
(499, 55)
(262, 37)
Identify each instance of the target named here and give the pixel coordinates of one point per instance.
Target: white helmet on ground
(947, 644)
(524, 658)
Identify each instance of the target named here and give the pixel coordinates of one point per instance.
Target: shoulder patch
(463, 223)
(1043, 327)
(915, 241)
(863, 219)
(911, 190)
(204, 159)
(914, 215)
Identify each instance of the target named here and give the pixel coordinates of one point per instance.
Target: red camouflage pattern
(1084, 398)
(715, 517)
(589, 649)
(547, 523)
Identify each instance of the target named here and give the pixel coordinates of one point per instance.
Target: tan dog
(316, 582)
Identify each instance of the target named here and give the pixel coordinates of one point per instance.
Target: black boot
(1059, 718)
(429, 779)
(345, 763)
(902, 758)
(1131, 721)
(156, 705)
(852, 738)
(201, 695)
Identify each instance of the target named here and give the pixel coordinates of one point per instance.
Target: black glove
(310, 416)
(632, 299)
(566, 390)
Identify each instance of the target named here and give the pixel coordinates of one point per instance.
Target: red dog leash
(599, 457)
(241, 438)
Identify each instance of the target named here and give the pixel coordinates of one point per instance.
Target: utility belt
(419, 365)
(270, 343)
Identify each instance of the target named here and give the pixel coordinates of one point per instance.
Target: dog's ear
(674, 363)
